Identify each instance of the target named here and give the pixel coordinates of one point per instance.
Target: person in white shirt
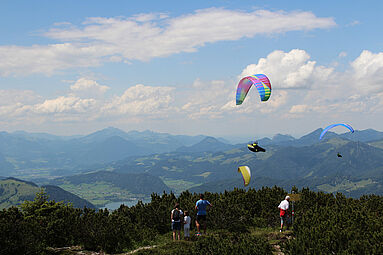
(283, 207)
(187, 221)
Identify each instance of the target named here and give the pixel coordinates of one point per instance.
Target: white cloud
(13, 96)
(353, 23)
(313, 92)
(318, 90)
(207, 99)
(64, 104)
(367, 70)
(87, 88)
(289, 70)
(146, 36)
(141, 100)
(49, 59)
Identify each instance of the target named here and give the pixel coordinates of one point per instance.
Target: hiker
(200, 206)
(176, 221)
(283, 207)
(187, 221)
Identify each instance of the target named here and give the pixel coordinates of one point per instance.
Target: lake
(116, 205)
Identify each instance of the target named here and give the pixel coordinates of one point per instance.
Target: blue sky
(74, 67)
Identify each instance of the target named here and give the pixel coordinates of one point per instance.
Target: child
(187, 221)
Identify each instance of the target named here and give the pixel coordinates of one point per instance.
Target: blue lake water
(116, 205)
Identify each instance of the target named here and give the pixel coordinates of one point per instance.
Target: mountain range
(25, 154)
(113, 165)
(287, 162)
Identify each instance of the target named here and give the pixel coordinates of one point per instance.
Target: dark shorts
(201, 218)
(176, 225)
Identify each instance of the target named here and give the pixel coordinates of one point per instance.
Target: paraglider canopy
(246, 174)
(260, 81)
(335, 125)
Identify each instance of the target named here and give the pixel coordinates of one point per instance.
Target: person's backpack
(176, 215)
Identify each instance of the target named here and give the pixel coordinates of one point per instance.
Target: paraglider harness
(254, 147)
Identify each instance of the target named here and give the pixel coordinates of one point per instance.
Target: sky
(75, 67)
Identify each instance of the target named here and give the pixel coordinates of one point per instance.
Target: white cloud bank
(301, 89)
(147, 36)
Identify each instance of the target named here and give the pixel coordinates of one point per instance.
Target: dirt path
(141, 248)
(276, 239)
(78, 250)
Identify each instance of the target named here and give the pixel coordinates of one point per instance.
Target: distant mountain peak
(317, 131)
(111, 129)
(209, 143)
(282, 138)
(210, 139)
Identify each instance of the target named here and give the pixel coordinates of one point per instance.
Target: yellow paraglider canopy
(246, 174)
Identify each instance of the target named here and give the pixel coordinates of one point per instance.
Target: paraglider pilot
(254, 147)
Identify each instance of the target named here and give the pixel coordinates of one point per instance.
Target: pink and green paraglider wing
(260, 81)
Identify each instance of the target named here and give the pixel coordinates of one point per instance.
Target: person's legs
(174, 235)
(179, 234)
(282, 221)
(197, 224)
(204, 223)
(204, 226)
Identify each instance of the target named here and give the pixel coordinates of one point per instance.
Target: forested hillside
(323, 224)
(103, 187)
(14, 191)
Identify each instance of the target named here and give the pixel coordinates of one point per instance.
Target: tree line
(324, 224)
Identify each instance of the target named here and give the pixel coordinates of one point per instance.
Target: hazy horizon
(232, 139)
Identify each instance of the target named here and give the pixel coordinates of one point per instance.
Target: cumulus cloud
(141, 100)
(13, 96)
(313, 89)
(48, 59)
(146, 36)
(367, 70)
(65, 105)
(301, 89)
(290, 70)
(87, 88)
(137, 101)
(207, 99)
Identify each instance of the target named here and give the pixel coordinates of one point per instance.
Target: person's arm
(171, 216)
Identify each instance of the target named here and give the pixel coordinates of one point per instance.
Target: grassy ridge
(14, 192)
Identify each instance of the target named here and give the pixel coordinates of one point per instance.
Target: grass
(377, 144)
(100, 193)
(178, 185)
(205, 174)
(345, 186)
(13, 190)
